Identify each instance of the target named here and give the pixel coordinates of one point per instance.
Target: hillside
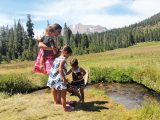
(153, 20)
(144, 31)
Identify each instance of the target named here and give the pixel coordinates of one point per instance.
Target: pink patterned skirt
(48, 60)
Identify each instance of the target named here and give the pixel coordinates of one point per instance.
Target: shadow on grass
(93, 106)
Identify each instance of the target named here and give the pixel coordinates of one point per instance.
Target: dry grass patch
(40, 106)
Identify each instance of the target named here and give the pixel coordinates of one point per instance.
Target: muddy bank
(131, 95)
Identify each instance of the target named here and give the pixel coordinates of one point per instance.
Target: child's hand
(80, 77)
(54, 51)
(65, 81)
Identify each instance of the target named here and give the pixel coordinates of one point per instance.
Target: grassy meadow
(139, 63)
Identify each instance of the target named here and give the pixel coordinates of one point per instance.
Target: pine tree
(31, 40)
(67, 34)
(29, 26)
(0, 51)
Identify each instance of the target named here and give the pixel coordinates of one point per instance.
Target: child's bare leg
(41, 63)
(63, 99)
(82, 94)
(59, 97)
(77, 93)
(54, 94)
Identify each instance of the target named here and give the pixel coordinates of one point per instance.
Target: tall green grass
(147, 76)
(109, 75)
(15, 83)
(149, 111)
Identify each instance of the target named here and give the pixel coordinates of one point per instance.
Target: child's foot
(71, 103)
(68, 109)
(81, 101)
(68, 102)
(57, 105)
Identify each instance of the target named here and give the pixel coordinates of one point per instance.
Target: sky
(108, 13)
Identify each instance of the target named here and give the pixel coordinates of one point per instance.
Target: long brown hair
(53, 28)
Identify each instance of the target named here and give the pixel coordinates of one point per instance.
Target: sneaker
(81, 101)
(69, 109)
(71, 103)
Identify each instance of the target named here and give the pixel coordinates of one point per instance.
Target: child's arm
(69, 71)
(55, 50)
(43, 46)
(53, 46)
(83, 72)
(61, 71)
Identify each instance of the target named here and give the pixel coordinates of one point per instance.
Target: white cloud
(38, 32)
(146, 8)
(109, 21)
(5, 20)
(71, 10)
(8, 19)
(90, 12)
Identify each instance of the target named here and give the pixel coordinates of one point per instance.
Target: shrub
(147, 76)
(15, 83)
(109, 75)
(44, 79)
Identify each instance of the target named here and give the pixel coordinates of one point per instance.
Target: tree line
(145, 31)
(16, 43)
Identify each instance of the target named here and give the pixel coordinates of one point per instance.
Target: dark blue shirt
(49, 42)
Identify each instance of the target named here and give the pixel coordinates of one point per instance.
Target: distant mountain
(86, 28)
